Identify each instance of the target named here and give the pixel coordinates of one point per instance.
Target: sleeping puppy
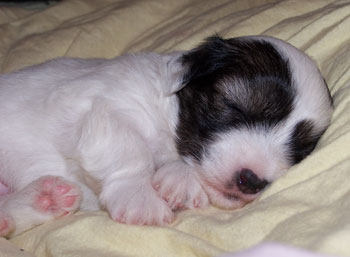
(144, 135)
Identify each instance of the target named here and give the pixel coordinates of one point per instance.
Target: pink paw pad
(6, 225)
(57, 196)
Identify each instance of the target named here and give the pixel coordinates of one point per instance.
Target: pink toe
(62, 189)
(4, 225)
(44, 202)
(69, 200)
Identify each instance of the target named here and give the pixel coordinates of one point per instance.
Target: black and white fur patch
(251, 101)
(231, 84)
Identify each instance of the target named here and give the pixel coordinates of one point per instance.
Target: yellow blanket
(309, 207)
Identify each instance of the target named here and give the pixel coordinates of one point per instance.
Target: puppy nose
(249, 183)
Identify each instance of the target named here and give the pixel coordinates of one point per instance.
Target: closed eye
(234, 107)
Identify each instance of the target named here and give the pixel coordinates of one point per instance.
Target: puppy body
(143, 135)
(107, 124)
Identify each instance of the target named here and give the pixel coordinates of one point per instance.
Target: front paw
(179, 187)
(138, 205)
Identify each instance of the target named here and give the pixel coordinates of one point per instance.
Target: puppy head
(250, 108)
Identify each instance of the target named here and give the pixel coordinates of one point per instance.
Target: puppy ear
(175, 73)
(206, 59)
(196, 63)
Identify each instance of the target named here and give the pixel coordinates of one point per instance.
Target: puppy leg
(177, 184)
(114, 153)
(132, 200)
(43, 199)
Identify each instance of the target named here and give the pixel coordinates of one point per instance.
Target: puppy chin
(228, 200)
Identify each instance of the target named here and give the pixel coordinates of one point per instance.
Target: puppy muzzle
(249, 183)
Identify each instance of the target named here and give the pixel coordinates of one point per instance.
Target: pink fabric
(274, 250)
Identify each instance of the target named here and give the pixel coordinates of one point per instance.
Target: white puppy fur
(106, 134)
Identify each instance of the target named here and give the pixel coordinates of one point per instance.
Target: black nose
(249, 183)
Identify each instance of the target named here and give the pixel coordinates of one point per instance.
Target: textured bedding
(307, 208)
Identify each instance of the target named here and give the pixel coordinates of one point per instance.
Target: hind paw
(56, 196)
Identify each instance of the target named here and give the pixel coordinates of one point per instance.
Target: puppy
(144, 135)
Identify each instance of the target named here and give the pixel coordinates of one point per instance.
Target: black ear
(207, 58)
